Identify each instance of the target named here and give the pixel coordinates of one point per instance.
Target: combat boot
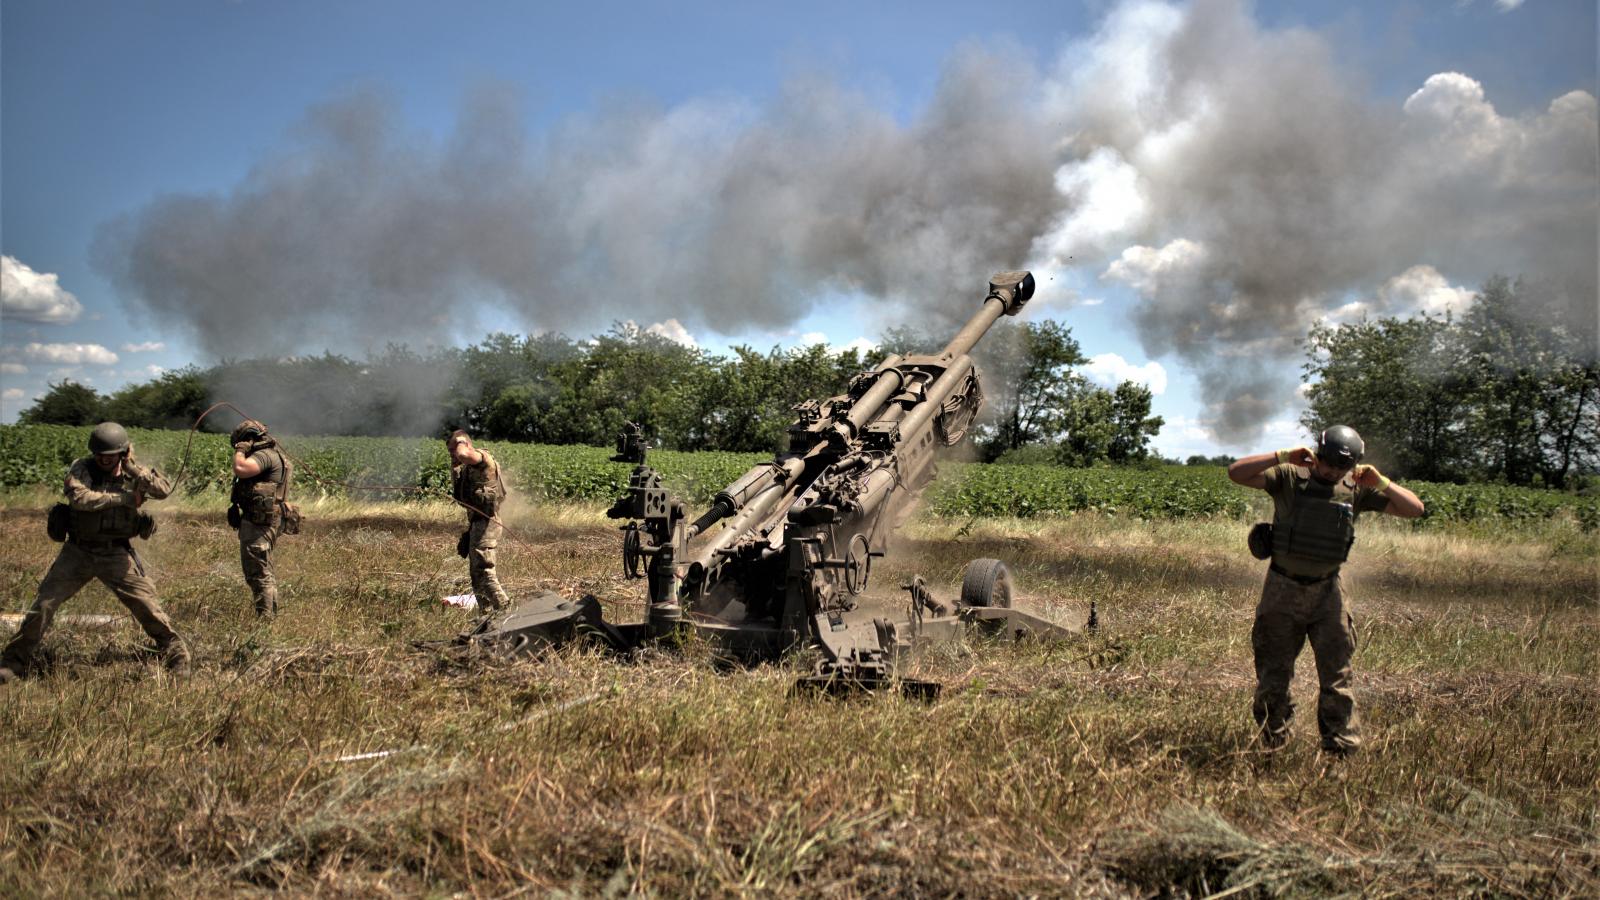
(174, 656)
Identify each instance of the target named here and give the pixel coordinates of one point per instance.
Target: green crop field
(325, 754)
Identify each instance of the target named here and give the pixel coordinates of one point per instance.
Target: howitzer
(800, 533)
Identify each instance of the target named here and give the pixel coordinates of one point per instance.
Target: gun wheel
(632, 553)
(987, 583)
(858, 565)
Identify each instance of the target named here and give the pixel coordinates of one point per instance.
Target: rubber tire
(987, 583)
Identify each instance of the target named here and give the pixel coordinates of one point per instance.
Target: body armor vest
(479, 487)
(257, 497)
(110, 524)
(1319, 528)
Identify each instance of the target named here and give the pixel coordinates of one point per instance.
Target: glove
(1299, 456)
(1369, 476)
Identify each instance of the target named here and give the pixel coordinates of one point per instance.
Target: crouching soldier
(104, 492)
(1316, 497)
(261, 475)
(475, 483)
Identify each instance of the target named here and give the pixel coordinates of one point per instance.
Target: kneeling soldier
(1316, 497)
(104, 492)
(475, 483)
(260, 488)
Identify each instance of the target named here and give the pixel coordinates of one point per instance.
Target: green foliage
(66, 403)
(414, 467)
(1106, 426)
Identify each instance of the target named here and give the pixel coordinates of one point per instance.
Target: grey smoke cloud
(1244, 184)
(718, 214)
(1241, 181)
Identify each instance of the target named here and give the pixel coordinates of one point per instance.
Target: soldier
(104, 492)
(475, 483)
(1317, 496)
(261, 475)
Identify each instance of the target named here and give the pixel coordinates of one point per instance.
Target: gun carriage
(800, 534)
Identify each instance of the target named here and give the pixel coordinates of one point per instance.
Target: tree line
(1509, 391)
(552, 389)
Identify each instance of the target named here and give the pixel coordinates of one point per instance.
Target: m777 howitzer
(800, 533)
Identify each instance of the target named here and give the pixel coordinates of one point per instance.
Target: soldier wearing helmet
(261, 475)
(475, 484)
(104, 493)
(1317, 495)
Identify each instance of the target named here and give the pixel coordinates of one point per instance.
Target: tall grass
(1121, 764)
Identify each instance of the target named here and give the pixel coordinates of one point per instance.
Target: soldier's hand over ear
(244, 447)
(1369, 476)
(1302, 456)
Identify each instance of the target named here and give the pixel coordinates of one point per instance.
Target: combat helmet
(248, 430)
(1340, 446)
(108, 437)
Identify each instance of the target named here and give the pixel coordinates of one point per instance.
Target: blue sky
(107, 108)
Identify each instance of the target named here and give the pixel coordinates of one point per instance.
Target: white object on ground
(465, 601)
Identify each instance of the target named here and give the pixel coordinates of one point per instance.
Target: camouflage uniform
(479, 487)
(260, 523)
(1304, 600)
(102, 507)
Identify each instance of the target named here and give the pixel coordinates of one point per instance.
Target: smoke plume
(1241, 181)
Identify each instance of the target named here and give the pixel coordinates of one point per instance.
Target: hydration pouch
(146, 525)
(464, 546)
(235, 517)
(1260, 540)
(59, 522)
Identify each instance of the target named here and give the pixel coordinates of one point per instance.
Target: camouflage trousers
(118, 568)
(1290, 614)
(483, 540)
(255, 557)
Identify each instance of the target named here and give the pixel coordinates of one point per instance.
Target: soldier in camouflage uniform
(1317, 496)
(104, 492)
(476, 484)
(261, 475)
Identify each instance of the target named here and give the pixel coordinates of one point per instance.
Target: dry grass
(1121, 765)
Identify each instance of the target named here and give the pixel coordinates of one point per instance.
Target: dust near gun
(799, 534)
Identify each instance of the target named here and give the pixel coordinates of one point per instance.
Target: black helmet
(248, 430)
(1340, 446)
(108, 437)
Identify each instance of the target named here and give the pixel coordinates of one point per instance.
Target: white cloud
(146, 347)
(674, 331)
(1424, 289)
(29, 296)
(12, 394)
(68, 354)
(1507, 5)
(1155, 272)
(1109, 370)
(1105, 204)
(861, 345)
(810, 338)
(11, 368)
(1092, 301)
(150, 371)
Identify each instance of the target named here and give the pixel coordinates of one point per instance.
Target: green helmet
(108, 437)
(1341, 446)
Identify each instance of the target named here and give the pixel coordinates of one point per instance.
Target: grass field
(1119, 765)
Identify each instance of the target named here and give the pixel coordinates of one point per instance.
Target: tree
(1113, 426)
(1030, 382)
(66, 403)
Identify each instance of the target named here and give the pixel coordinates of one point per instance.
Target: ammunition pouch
(291, 517)
(1260, 540)
(59, 522)
(464, 545)
(235, 517)
(146, 525)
